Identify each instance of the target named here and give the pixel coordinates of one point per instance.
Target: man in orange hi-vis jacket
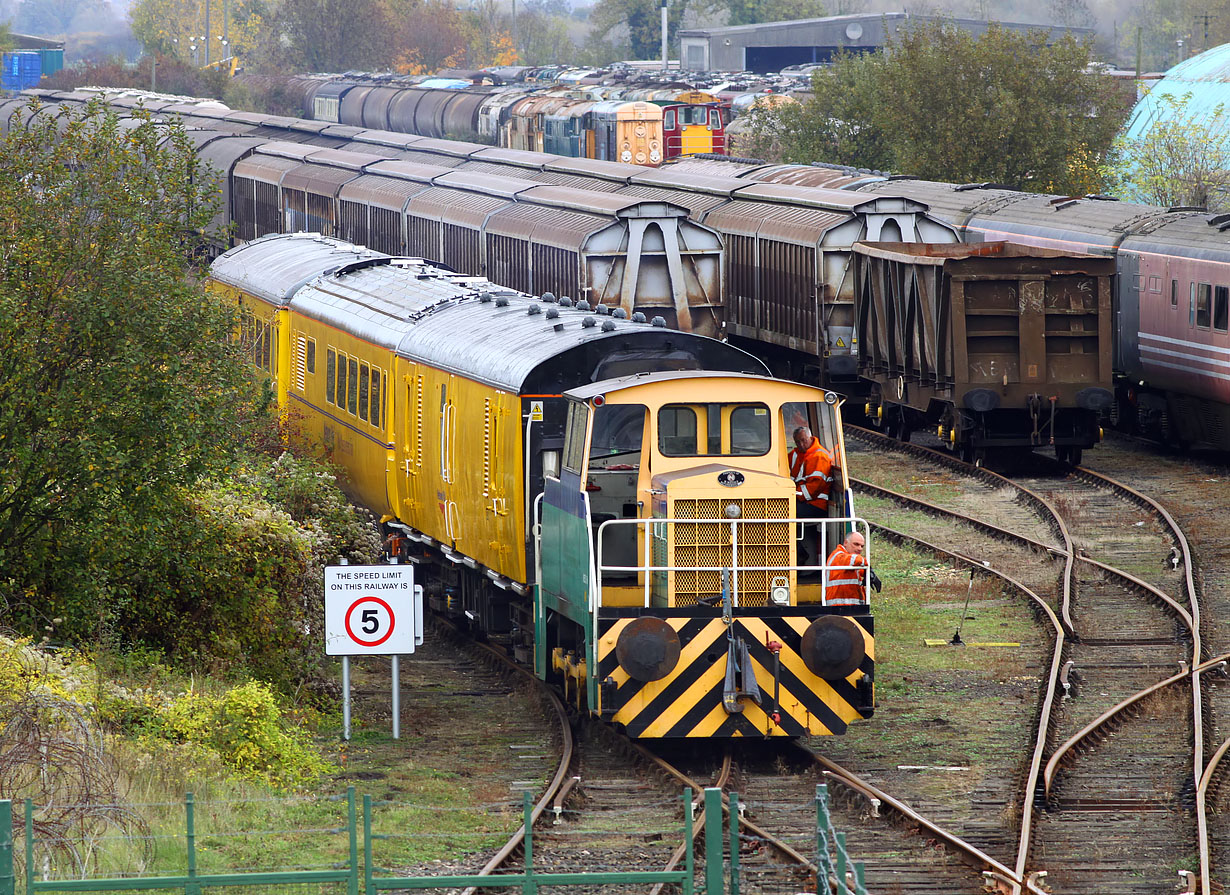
(811, 467)
(847, 571)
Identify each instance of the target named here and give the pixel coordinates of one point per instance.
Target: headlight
(625, 156)
(779, 593)
(733, 511)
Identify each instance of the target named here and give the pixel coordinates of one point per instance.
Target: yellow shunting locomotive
(609, 498)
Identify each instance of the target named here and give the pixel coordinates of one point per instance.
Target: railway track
(1118, 742)
(1124, 750)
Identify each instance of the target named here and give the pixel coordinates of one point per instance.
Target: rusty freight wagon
(997, 345)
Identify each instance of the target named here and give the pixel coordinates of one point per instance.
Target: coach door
(411, 436)
(446, 494)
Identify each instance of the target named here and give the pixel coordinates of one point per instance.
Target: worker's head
(802, 437)
(854, 543)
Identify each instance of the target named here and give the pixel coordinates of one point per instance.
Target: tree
(643, 20)
(119, 385)
(336, 35)
(943, 104)
(542, 35)
(176, 27)
(1179, 160)
(749, 12)
(432, 35)
(62, 16)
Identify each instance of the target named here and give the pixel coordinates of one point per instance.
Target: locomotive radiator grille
(703, 544)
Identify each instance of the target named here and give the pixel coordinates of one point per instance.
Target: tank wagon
(540, 120)
(996, 345)
(609, 499)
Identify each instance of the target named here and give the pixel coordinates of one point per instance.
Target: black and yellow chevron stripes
(688, 701)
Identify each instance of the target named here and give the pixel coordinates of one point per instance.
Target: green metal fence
(360, 872)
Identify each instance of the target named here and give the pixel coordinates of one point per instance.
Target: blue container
(21, 70)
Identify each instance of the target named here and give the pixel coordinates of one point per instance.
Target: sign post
(372, 611)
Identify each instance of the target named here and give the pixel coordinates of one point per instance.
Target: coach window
(1221, 314)
(311, 355)
(1174, 293)
(1203, 294)
(1191, 305)
(352, 385)
(376, 405)
(364, 379)
(331, 376)
(341, 381)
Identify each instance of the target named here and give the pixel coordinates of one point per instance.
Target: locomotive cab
(671, 556)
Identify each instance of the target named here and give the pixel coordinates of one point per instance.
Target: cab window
(708, 430)
(750, 432)
(619, 430)
(574, 437)
(668, 121)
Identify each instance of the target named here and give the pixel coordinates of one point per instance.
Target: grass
(945, 705)
(440, 793)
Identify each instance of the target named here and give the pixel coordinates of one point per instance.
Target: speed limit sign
(372, 610)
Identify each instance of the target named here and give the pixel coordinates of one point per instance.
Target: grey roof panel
(274, 267)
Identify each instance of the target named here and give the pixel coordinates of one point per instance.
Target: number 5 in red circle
(374, 625)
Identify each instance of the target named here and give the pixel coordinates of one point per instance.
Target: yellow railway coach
(609, 498)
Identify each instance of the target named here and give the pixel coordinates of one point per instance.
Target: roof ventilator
(589, 322)
(658, 321)
(534, 309)
(638, 317)
(565, 302)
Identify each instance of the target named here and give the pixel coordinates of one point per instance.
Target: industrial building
(771, 46)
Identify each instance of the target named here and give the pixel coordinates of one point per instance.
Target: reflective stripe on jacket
(845, 587)
(812, 471)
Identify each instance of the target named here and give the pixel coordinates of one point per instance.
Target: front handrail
(648, 568)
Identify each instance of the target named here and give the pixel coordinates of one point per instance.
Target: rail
(1190, 616)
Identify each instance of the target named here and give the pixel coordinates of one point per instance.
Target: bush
(244, 727)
